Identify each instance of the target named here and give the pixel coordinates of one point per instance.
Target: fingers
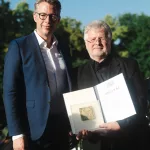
(70, 133)
(106, 129)
(82, 134)
(104, 125)
(111, 126)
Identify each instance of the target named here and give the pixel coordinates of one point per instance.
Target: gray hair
(55, 3)
(98, 25)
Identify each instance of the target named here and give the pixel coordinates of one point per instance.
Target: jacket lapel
(86, 76)
(67, 71)
(115, 67)
(38, 56)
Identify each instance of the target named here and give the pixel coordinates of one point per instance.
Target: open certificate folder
(106, 102)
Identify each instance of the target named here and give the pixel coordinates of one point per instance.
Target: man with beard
(127, 134)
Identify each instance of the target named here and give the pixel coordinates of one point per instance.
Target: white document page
(115, 99)
(83, 110)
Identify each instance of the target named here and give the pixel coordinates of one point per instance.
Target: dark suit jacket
(26, 88)
(134, 130)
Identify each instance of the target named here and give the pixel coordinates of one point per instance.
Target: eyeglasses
(96, 39)
(43, 16)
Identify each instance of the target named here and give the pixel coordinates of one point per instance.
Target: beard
(101, 54)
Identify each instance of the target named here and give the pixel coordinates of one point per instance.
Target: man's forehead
(97, 31)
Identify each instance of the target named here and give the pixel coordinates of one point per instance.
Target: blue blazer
(26, 89)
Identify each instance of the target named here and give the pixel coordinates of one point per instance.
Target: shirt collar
(104, 64)
(42, 43)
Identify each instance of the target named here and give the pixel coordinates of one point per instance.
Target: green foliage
(137, 39)
(124, 53)
(3, 135)
(79, 62)
(14, 23)
(71, 28)
(6, 21)
(24, 18)
(130, 35)
(131, 31)
(118, 31)
(69, 32)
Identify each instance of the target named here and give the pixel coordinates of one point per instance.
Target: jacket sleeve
(11, 84)
(136, 84)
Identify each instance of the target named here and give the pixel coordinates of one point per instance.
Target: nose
(98, 41)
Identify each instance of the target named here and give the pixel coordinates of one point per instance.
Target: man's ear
(35, 17)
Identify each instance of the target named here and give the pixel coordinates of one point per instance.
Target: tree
(6, 31)
(69, 32)
(24, 18)
(118, 32)
(6, 20)
(137, 39)
(14, 23)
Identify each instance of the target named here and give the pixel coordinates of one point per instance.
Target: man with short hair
(131, 133)
(36, 73)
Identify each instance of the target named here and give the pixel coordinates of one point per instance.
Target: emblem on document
(87, 113)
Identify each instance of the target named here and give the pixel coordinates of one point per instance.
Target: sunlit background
(129, 21)
(88, 10)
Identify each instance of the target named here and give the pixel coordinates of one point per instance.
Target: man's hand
(108, 128)
(91, 136)
(111, 126)
(72, 140)
(20, 144)
(83, 134)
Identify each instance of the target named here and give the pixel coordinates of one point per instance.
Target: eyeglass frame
(50, 15)
(94, 40)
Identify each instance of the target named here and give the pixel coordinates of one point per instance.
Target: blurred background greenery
(131, 37)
